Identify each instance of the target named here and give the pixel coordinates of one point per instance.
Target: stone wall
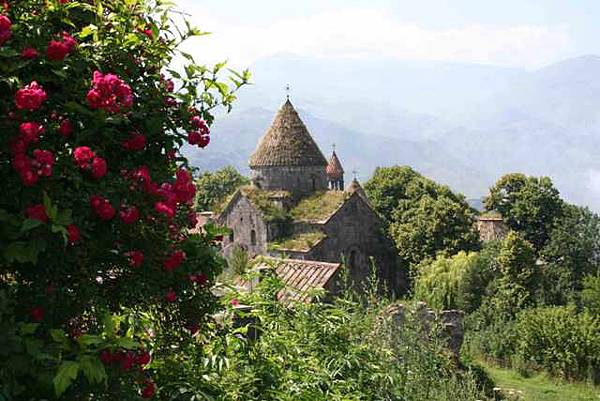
(491, 229)
(299, 180)
(248, 228)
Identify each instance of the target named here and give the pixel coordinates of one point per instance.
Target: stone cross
(287, 91)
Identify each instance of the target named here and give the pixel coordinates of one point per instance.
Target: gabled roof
(287, 143)
(334, 168)
(356, 187)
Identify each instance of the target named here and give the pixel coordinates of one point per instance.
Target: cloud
(356, 32)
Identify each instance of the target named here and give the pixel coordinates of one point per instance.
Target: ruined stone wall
(248, 229)
(354, 235)
(299, 180)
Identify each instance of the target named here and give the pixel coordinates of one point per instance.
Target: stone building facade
(491, 228)
(297, 207)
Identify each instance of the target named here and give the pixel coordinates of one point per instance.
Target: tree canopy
(422, 217)
(214, 187)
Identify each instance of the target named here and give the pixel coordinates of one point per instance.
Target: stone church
(297, 207)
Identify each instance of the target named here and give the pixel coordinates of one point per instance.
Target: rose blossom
(29, 53)
(136, 258)
(136, 141)
(129, 215)
(74, 235)
(36, 212)
(171, 296)
(30, 131)
(65, 128)
(5, 29)
(98, 167)
(30, 97)
(102, 207)
(83, 156)
(37, 313)
(174, 260)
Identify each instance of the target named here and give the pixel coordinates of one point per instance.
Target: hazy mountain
(462, 125)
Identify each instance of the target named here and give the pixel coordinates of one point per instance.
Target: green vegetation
(319, 206)
(539, 386)
(213, 188)
(263, 200)
(421, 216)
(298, 242)
(529, 205)
(345, 350)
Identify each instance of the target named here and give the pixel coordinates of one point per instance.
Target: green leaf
(28, 328)
(51, 210)
(59, 336)
(87, 31)
(67, 373)
(93, 369)
(127, 343)
(88, 339)
(30, 224)
(17, 252)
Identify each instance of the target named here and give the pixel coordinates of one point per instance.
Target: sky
(513, 33)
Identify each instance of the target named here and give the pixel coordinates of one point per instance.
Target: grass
(541, 387)
(318, 206)
(299, 242)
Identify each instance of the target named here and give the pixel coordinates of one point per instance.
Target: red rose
(29, 53)
(69, 41)
(235, 302)
(148, 391)
(36, 212)
(136, 258)
(57, 51)
(199, 278)
(30, 131)
(194, 138)
(204, 141)
(43, 162)
(174, 260)
(37, 313)
(200, 125)
(29, 178)
(110, 93)
(143, 358)
(164, 208)
(5, 29)
(135, 142)
(83, 156)
(127, 360)
(129, 215)
(102, 207)
(106, 356)
(74, 233)
(30, 97)
(171, 296)
(98, 167)
(65, 128)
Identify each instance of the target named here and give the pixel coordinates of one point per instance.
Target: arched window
(314, 183)
(252, 237)
(352, 259)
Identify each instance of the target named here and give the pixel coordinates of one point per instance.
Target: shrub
(590, 295)
(560, 340)
(96, 270)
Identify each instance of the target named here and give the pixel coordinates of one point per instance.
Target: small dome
(334, 168)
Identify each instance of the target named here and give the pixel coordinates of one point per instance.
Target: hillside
(462, 125)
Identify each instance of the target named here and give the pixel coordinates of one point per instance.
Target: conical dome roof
(334, 168)
(287, 143)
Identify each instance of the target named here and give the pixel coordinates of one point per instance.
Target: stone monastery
(297, 207)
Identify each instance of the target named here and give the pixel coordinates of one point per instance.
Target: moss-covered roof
(318, 206)
(287, 143)
(298, 242)
(263, 201)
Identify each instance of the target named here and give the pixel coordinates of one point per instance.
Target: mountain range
(459, 124)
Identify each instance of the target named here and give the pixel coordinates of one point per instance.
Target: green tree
(456, 282)
(214, 187)
(529, 205)
(517, 281)
(590, 294)
(422, 217)
(572, 252)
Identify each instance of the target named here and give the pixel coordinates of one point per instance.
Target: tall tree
(529, 205)
(423, 217)
(214, 187)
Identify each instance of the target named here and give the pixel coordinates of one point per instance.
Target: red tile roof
(302, 276)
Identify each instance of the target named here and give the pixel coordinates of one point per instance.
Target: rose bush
(98, 276)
